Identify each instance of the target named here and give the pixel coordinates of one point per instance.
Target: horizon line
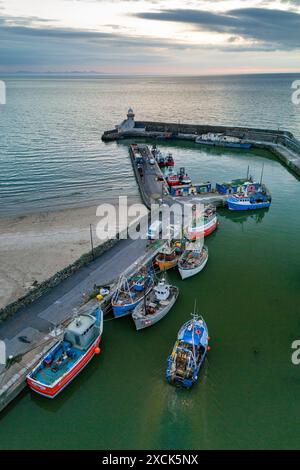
(140, 74)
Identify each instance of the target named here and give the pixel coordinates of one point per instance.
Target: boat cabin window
(77, 340)
(86, 331)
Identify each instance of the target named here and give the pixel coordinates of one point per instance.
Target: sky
(188, 37)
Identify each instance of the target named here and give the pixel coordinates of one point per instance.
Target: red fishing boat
(202, 225)
(68, 356)
(169, 160)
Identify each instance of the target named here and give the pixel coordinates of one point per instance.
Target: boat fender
(97, 350)
(99, 297)
(208, 348)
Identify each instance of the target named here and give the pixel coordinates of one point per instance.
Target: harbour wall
(56, 279)
(281, 143)
(145, 197)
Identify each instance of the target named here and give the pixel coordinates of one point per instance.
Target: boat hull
(208, 229)
(165, 265)
(144, 322)
(53, 391)
(189, 272)
(173, 182)
(238, 206)
(122, 310)
(244, 145)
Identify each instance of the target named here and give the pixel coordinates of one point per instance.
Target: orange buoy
(97, 350)
(208, 348)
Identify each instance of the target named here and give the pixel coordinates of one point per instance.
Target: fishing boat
(68, 356)
(169, 255)
(184, 177)
(188, 353)
(131, 291)
(160, 159)
(173, 179)
(169, 161)
(156, 305)
(203, 225)
(247, 201)
(192, 262)
(154, 150)
(253, 196)
(222, 140)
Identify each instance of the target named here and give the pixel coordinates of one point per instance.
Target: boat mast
(262, 172)
(193, 333)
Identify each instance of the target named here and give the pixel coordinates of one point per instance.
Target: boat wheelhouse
(156, 305)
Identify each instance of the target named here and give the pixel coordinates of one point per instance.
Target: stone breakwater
(281, 143)
(56, 279)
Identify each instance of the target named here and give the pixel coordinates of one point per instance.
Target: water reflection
(241, 217)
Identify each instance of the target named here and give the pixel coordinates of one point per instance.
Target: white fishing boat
(156, 305)
(222, 140)
(192, 262)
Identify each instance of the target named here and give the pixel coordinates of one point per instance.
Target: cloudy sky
(150, 36)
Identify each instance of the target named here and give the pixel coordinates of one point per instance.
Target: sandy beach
(34, 247)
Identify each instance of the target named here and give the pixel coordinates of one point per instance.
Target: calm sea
(51, 154)
(248, 393)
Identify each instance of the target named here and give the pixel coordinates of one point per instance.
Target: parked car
(154, 230)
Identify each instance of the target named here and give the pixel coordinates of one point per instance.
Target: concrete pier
(154, 188)
(281, 143)
(150, 180)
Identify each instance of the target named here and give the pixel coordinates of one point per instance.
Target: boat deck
(49, 374)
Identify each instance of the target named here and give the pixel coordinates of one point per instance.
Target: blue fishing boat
(253, 196)
(131, 291)
(244, 202)
(188, 353)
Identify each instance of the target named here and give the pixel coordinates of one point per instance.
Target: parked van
(154, 230)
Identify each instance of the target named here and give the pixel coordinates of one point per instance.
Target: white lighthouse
(129, 124)
(130, 114)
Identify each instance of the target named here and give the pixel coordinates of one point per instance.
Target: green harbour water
(248, 393)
